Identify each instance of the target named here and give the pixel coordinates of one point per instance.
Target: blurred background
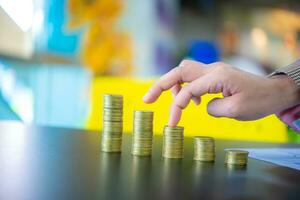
(58, 57)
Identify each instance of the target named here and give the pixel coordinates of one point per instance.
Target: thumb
(222, 107)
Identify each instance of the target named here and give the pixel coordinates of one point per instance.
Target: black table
(56, 163)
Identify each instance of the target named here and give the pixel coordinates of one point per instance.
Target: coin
(236, 157)
(204, 149)
(112, 123)
(173, 142)
(142, 133)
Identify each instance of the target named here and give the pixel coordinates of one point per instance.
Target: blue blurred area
(47, 89)
(58, 39)
(60, 93)
(203, 51)
(6, 113)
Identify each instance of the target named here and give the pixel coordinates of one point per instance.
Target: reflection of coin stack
(236, 157)
(112, 123)
(173, 142)
(204, 149)
(142, 133)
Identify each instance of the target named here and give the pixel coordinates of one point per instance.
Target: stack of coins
(204, 149)
(142, 133)
(173, 142)
(236, 157)
(112, 123)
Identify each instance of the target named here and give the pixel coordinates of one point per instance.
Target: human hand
(245, 96)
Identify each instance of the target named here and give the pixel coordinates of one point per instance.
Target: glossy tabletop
(56, 163)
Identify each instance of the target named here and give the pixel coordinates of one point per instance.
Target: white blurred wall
(14, 41)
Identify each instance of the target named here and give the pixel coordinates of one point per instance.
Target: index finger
(164, 83)
(187, 71)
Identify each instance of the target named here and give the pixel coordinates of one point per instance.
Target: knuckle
(189, 90)
(218, 63)
(163, 78)
(221, 66)
(178, 102)
(183, 98)
(186, 92)
(185, 66)
(184, 63)
(179, 69)
(192, 87)
(222, 70)
(189, 66)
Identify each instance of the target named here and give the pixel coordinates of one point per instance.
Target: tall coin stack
(204, 149)
(112, 123)
(142, 133)
(236, 157)
(173, 142)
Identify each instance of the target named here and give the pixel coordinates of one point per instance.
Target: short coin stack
(204, 149)
(173, 142)
(236, 157)
(142, 133)
(112, 123)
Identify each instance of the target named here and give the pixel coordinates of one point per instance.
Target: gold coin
(236, 157)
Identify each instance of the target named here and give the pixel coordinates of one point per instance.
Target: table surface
(57, 163)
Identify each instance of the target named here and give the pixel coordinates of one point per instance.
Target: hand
(245, 96)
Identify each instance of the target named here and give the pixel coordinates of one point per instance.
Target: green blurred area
(293, 136)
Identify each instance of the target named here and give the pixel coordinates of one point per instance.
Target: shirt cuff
(292, 70)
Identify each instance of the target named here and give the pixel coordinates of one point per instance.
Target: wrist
(289, 92)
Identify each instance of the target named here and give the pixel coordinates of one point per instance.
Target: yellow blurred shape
(195, 118)
(105, 49)
(82, 12)
(114, 48)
